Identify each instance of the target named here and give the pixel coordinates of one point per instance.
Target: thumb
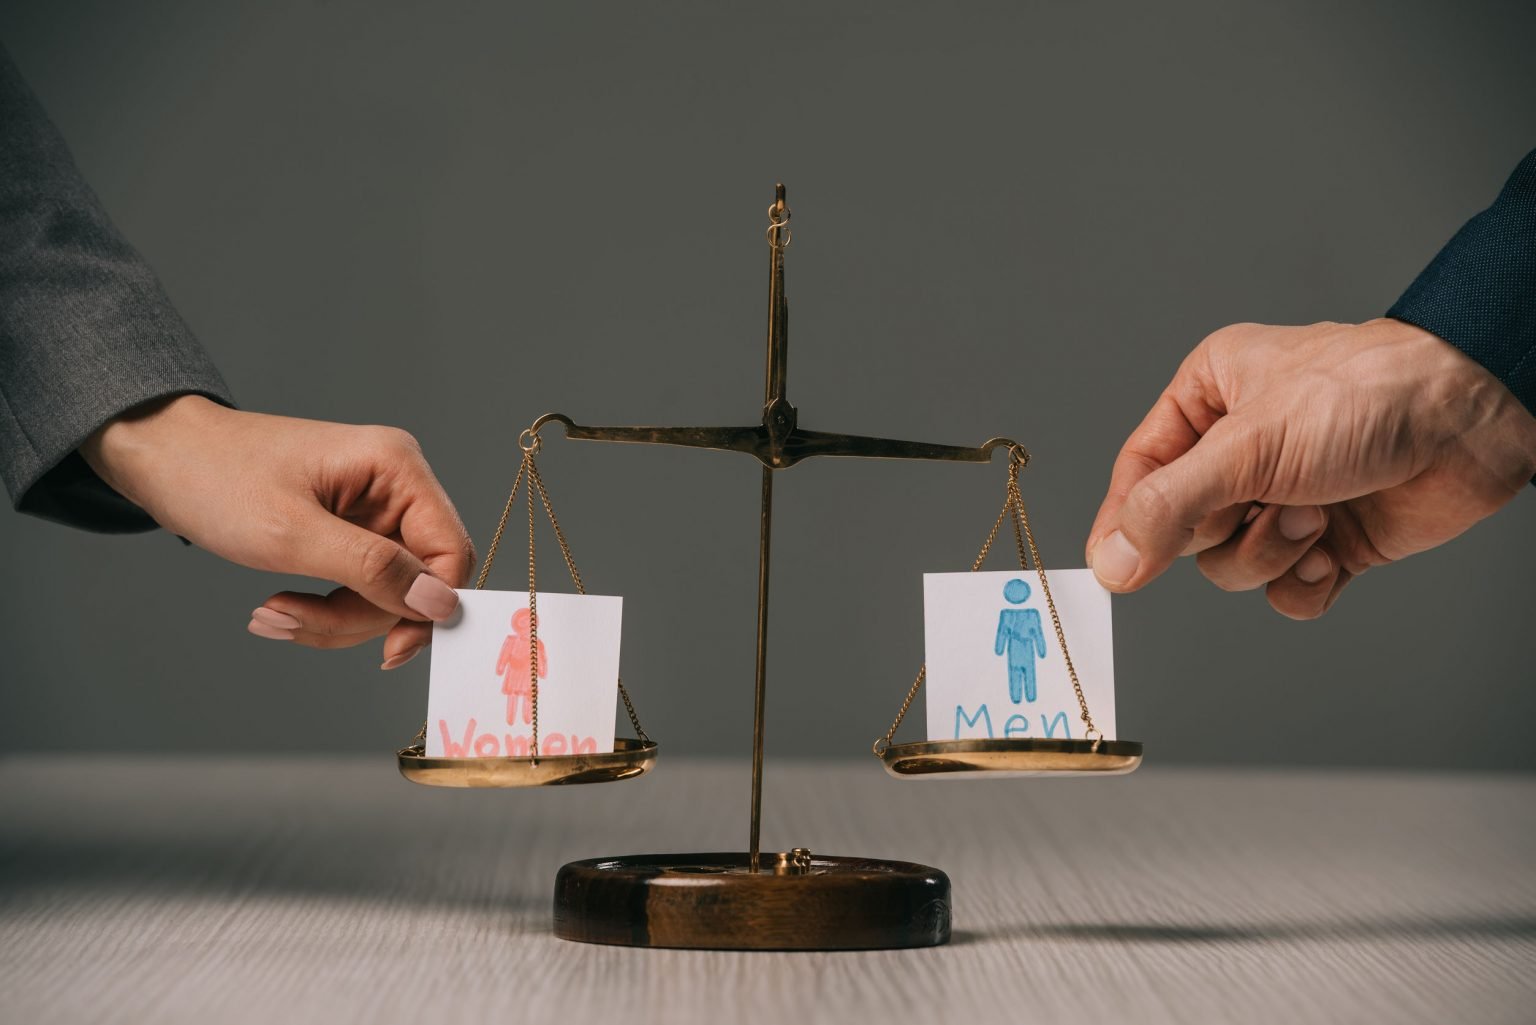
(1159, 516)
(375, 567)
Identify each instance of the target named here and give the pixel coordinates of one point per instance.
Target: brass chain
(922, 671)
(501, 526)
(1018, 535)
(1013, 502)
(490, 556)
(533, 616)
(986, 546)
(565, 548)
(529, 470)
(884, 743)
(1021, 515)
(531, 443)
(581, 588)
(634, 717)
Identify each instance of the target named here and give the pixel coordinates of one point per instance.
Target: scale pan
(629, 758)
(1007, 759)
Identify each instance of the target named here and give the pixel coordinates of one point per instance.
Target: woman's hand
(1295, 458)
(356, 505)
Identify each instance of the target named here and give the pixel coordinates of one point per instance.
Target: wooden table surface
(322, 890)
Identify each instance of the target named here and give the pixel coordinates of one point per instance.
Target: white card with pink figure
(479, 704)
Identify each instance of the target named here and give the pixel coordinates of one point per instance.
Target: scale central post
(778, 422)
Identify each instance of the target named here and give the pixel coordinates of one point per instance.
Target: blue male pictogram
(1019, 634)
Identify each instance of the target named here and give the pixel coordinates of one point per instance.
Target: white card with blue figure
(995, 666)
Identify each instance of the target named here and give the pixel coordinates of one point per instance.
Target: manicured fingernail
(275, 619)
(1115, 561)
(1314, 566)
(396, 661)
(1299, 521)
(271, 633)
(431, 597)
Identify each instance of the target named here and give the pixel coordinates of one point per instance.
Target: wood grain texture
(310, 890)
(713, 901)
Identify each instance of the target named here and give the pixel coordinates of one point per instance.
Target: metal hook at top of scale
(779, 233)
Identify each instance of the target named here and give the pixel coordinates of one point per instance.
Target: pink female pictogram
(513, 668)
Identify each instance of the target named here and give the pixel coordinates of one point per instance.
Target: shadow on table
(396, 869)
(1492, 927)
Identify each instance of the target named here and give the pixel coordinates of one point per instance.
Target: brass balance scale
(792, 900)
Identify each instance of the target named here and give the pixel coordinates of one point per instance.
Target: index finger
(431, 530)
(1163, 435)
(1189, 407)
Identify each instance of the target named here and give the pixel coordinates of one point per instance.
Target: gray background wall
(1010, 219)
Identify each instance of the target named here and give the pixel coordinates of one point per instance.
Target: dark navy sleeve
(1479, 292)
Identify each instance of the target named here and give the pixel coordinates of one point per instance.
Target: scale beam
(778, 443)
(781, 452)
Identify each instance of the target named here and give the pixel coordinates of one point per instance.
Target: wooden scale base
(764, 901)
(794, 901)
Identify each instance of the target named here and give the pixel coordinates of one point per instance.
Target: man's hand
(1299, 457)
(357, 505)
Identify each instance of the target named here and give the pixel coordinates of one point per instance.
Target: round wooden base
(795, 901)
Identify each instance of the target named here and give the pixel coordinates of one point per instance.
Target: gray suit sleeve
(86, 330)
